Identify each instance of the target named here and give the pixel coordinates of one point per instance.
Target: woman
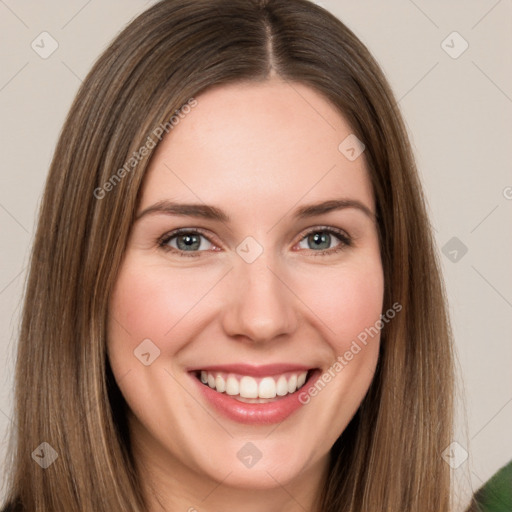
(200, 352)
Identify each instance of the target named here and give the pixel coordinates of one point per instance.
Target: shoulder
(495, 494)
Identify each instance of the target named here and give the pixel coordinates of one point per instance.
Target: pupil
(188, 242)
(319, 239)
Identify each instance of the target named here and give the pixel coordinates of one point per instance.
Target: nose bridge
(261, 307)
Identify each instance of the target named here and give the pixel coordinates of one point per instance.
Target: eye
(320, 240)
(185, 241)
(191, 242)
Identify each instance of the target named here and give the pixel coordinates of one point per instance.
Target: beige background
(459, 113)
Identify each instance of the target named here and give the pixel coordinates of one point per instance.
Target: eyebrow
(209, 212)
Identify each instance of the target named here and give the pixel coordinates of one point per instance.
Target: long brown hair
(389, 457)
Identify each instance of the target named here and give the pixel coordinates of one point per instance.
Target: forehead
(259, 145)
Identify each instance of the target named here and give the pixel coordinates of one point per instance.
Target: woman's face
(267, 284)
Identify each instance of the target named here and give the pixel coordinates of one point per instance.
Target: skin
(258, 151)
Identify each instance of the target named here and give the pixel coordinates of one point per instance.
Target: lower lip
(255, 414)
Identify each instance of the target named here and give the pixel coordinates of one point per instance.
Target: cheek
(150, 302)
(349, 310)
(349, 301)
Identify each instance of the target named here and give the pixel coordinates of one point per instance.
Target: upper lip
(253, 370)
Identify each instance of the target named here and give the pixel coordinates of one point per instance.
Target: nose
(261, 306)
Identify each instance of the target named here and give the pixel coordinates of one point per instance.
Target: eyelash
(345, 240)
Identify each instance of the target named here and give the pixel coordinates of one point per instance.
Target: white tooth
(282, 386)
(301, 379)
(232, 387)
(211, 380)
(204, 377)
(292, 383)
(220, 384)
(267, 388)
(248, 387)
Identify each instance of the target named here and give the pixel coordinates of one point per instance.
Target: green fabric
(496, 494)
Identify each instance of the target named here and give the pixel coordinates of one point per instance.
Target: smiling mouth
(249, 389)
